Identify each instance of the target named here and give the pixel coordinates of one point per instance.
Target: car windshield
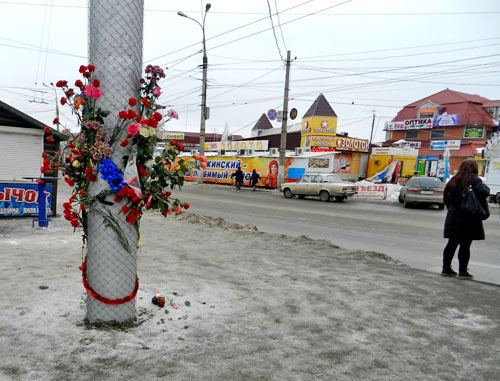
(304, 179)
(333, 179)
(427, 182)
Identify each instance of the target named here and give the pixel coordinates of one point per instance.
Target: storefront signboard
(452, 145)
(173, 135)
(257, 145)
(446, 120)
(395, 151)
(350, 144)
(410, 124)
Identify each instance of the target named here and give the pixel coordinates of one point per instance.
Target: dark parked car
(422, 190)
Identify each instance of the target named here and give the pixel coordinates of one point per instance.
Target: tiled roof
(263, 123)
(468, 107)
(448, 96)
(320, 107)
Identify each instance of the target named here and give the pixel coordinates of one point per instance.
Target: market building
(446, 123)
(22, 142)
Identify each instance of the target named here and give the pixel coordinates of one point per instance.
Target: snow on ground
(252, 306)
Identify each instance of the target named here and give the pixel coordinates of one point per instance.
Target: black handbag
(472, 206)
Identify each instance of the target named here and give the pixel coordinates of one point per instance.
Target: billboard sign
(446, 120)
(257, 145)
(22, 199)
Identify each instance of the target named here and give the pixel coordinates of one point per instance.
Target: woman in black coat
(459, 228)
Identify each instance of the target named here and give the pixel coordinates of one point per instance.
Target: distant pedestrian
(238, 175)
(459, 228)
(254, 179)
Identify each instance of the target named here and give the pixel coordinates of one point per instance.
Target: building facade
(448, 121)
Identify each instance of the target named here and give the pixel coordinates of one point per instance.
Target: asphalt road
(413, 236)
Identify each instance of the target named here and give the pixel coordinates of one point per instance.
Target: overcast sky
(363, 55)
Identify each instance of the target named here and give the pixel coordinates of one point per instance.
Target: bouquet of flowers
(147, 179)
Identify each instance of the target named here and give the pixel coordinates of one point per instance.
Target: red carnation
(138, 118)
(55, 121)
(46, 129)
(96, 83)
(123, 115)
(186, 205)
(145, 102)
(122, 192)
(124, 143)
(142, 171)
(181, 146)
(61, 83)
(125, 209)
(131, 114)
(78, 83)
(157, 116)
(132, 102)
(82, 69)
(44, 154)
(75, 223)
(91, 177)
(91, 67)
(49, 139)
(69, 181)
(130, 218)
(63, 101)
(118, 199)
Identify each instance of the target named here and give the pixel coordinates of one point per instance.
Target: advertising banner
(22, 199)
(473, 132)
(446, 120)
(371, 191)
(221, 170)
(452, 145)
(257, 145)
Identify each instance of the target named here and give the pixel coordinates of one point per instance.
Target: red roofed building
(462, 122)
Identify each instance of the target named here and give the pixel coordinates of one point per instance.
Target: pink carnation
(133, 129)
(92, 92)
(157, 91)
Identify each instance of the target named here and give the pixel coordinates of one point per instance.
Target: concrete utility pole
(281, 170)
(115, 49)
(204, 115)
(371, 133)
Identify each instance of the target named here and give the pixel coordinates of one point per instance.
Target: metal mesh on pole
(115, 49)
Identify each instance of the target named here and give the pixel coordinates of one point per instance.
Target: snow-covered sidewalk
(252, 306)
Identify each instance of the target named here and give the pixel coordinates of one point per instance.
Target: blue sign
(22, 199)
(446, 120)
(272, 114)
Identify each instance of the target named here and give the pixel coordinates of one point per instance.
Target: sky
(366, 56)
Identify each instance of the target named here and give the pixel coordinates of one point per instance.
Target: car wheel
(441, 206)
(287, 193)
(400, 199)
(340, 198)
(406, 204)
(324, 196)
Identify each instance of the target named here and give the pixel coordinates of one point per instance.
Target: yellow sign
(173, 135)
(319, 125)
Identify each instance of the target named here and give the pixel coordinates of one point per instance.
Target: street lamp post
(203, 116)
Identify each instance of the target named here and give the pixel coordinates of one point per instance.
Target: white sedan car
(324, 185)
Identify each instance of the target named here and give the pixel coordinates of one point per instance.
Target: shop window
(411, 134)
(473, 132)
(437, 134)
(388, 135)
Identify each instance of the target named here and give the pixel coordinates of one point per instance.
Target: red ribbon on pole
(102, 299)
